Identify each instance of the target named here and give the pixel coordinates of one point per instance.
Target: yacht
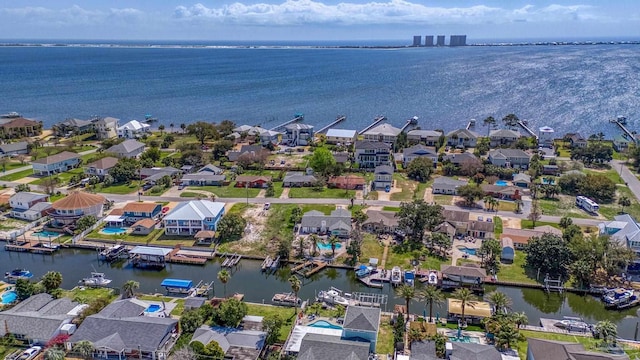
(332, 297)
(286, 299)
(15, 274)
(573, 324)
(396, 276)
(11, 115)
(432, 278)
(616, 296)
(96, 279)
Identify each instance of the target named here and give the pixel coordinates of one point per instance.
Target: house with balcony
(514, 158)
(72, 126)
(446, 185)
(384, 133)
(133, 129)
(383, 177)
(66, 211)
(135, 211)
(419, 151)
(129, 148)
(337, 223)
(101, 167)
(369, 154)
(19, 127)
(625, 231)
(16, 148)
(29, 206)
(56, 164)
(425, 137)
(341, 136)
(462, 138)
(189, 217)
(106, 128)
(298, 134)
(503, 137)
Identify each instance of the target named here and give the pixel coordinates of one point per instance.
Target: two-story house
(19, 128)
(384, 133)
(337, 223)
(341, 136)
(369, 154)
(129, 148)
(426, 137)
(16, 148)
(101, 167)
(514, 158)
(135, 211)
(383, 177)
(133, 129)
(625, 231)
(419, 151)
(503, 137)
(189, 217)
(55, 164)
(362, 323)
(72, 126)
(106, 128)
(462, 138)
(576, 140)
(298, 134)
(29, 205)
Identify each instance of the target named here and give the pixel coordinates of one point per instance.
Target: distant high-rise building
(428, 40)
(440, 40)
(417, 40)
(458, 40)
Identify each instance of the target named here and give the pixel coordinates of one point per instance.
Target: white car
(267, 206)
(30, 353)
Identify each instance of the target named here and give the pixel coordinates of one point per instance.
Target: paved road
(632, 181)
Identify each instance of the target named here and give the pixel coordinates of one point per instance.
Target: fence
(84, 233)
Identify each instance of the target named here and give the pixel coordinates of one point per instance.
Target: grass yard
(285, 313)
(611, 174)
(403, 260)
(85, 295)
(228, 191)
(62, 177)
(385, 336)
(506, 206)
(142, 239)
(277, 189)
(611, 210)
(310, 193)
(120, 189)
(562, 205)
(410, 189)
(497, 226)
(240, 208)
(371, 248)
(17, 175)
(516, 272)
(391, 208)
(588, 342)
(443, 199)
(528, 224)
(15, 165)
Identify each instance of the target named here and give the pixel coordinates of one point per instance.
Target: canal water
(74, 264)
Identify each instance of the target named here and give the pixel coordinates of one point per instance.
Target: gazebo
(205, 236)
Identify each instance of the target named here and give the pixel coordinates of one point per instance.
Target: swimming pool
(325, 325)
(323, 246)
(465, 339)
(466, 250)
(113, 231)
(46, 234)
(153, 308)
(8, 297)
(501, 183)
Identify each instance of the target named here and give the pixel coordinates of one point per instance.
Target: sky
(268, 20)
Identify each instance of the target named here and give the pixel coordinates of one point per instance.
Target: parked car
(30, 353)
(181, 186)
(267, 206)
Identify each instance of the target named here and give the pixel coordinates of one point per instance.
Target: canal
(75, 264)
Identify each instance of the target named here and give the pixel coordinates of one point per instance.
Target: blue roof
(177, 283)
(409, 275)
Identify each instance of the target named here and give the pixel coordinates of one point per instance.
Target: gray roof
(504, 133)
(298, 177)
(383, 129)
(459, 158)
(463, 133)
(424, 133)
(383, 169)
(16, 146)
(211, 169)
(464, 351)
(126, 147)
(195, 210)
(41, 206)
(362, 318)
(299, 126)
(54, 159)
(423, 350)
(192, 302)
(387, 218)
(27, 196)
(205, 175)
(448, 181)
(121, 325)
(560, 350)
(485, 226)
(72, 122)
(419, 150)
(167, 170)
(463, 271)
(105, 163)
(315, 218)
(455, 215)
(628, 231)
(371, 145)
(326, 347)
(509, 153)
(229, 337)
(522, 177)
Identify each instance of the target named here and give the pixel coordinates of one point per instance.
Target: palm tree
(432, 295)
(519, 204)
(466, 298)
(54, 353)
(314, 240)
(500, 301)
(224, 276)
(129, 289)
(487, 201)
(407, 293)
(520, 318)
(333, 241)
(493, 203)
(489, 122)
(296, 284)
(565, 222)
(607, 331)
(624, 201)
(511, 120)
(171, 126)
(161, 128)
(506, 335)
(84, 348)
(183, 126)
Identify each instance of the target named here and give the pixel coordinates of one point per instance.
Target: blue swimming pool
(8, 297)
(325, 325)
(153, 308)
(467, 250)
(325, 247)
(113, 231)
(465, 339)
(46, 234)
(501, 183)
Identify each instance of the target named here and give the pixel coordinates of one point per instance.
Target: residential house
(426, 137)
(189, 217)
(369, 154)
(520, 237)
(347, 182)
(106, 128)
(337, 223)
(480, 229)
(298, 134)
(253, 181)
(236, 343)
(419, 151)
(550, 170)
(129, 148)
(576, 140)
(383, 177)
(72, 126)
(327, 347)
(101, 167)
(133, 129)
(122, 331)
(458, 219)
(66, 211)
(462, 138)
(38, 319)
(29, 205)
(188, 169)
(621, 143)
(423, 350)
(135, 211)
(380, 222)
(257, 134)
(19, 128)
(16, 148)
(456, 276)
(152, 175)
(342, 157)
(211, 169)
(255, 151)
(298, 179)
(502, 192)
(541, 349)
(446, 185)
(514, 158)
(521, 180)
(203, 178)
(143, 227)
(503, 137)
(56, 164)
(384, 133)
(269, 137)
(470, 351)
(361, 323)
(625, 231)
(459, 159)
(341, 136)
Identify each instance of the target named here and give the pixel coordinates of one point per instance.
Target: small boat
(177, 286)
(332, 297)
(409, 277)
(617, 296)
(396, 276)
(15, 274)
(112, 253)
(286, 299)
(432, 278)
(363, 271)
(10, 115)
(573, 324)
(148, 118)
(50, 246)
(96, 279)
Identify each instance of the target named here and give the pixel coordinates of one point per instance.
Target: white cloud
(68, 17)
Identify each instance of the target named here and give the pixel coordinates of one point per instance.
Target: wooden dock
(231, 260)
(175, 256)
(375, 122)
(412, 121)
(35, 247)
(620, 121)
(338, 119)
(266, 264)
(299, 267)
(309, 268)
(297, 117)
(527, 129)
(377, 278)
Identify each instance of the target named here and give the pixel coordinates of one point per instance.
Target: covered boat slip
(474, 311)
(148, 257)
(177, 285)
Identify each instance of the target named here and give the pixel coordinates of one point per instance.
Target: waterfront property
(101, 167)
(129, 148)
(16, 148)
(341, 136)
(362, 323)
(383, 133)
(256, 152)
(520, 237)
(338, 223)
(514, 158)
(143, 227)
(298, 134)
(625, 231)
(72, 126)
(56, 164)
(576, 140)
(446, 185)
(23, 205)
(133, 129)
(256, 134)
(541, 349)
(149, 257)
(472, 314)
(369, 154)
(327, 347)
(189, 217)
(380, 222)
(106, 128)
(135, 211)
(19, 127)
(426, 137)
(419, 151)
(462, 138)
(462, 276)
(503, 137)
(66, 211)
(236, 343)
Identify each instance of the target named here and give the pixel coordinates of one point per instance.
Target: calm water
(567, 87)
(259, 287)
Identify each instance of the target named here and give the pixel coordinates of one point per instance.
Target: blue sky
(317, 19)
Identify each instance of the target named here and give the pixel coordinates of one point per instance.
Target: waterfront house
(256, 134)
(503, 137)
(480, 229)
(253, 181)
(514, 158)
(16, 148)
(56, 164)
(369, 154)
(521, 180)
(38, 319)
(384, 133)
(502, 192)
(29, 205)
(135, 211)
(472, 314)
(508, 252)
(459, 159)
(101, 167)
(143, 227)
(621, 143)
(133, 129)
(625, 231)
(203, 178)
(576, 140)
(337, 223)
(361, 323)
(472, 351)
(419, 151)
(462, 138)
(19, 128)
(298, 134)
(341, 136)
(106, 128)
(328, 347)
(298, 179)
(383, 177)
(246, 344)
(347, 182)
(457, 276)
(520, 237)
(129, 148)
(446, 185)
(458, 219)
(426, 137)
(76, 204)
(542, 349)
(122, 331)
(72, 126)
(380, 222)
(189, 217)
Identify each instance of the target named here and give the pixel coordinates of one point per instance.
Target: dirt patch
(513, 223)
(256, 218)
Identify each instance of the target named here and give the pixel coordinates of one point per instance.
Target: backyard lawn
(385, 336)
(17, 175)
(516, 272)
(63, 177)
(443, 199)
(371, 248)
(228, 191)
(611, 210)
(120, 189)
(310, 193)
(285, 313)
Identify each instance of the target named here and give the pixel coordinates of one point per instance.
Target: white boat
(286, 299)
(617, 296)
(332, 297)
(432, 278)
(10, 115)
(573, 324)
(409, 277)
(96, 279)
(396, 276)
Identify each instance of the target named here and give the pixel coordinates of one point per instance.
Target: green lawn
(17, 175)
(228, 191)
(611, 210)
(62, 177)
(528, 224)
(15, 165)
(285, 313)
(506, 206)
(516, 272)
(277, 189)
(121, 189)
(371, 248)
(587, 341)
(310, 193)
(410, 189)
(391, 208)
(443, 199)
(240, 208)
(403, 259)
(497, 226)
(85, 295)
(611, 174)
(385, 337)
(562, 205)
(142, 239)
(189, 194)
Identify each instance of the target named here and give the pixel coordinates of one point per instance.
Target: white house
(29, 205)
(133, 129)
(446, 185)
(189, 217)
(129, 148)
(341, 136)
(106, 128)
(385, 133)
(383, 177)
(427, 137)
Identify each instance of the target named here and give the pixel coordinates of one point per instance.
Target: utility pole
(139, 182)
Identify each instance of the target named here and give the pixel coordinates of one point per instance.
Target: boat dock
(35, 247)
(412, 121)
(309, 268)
(231, 260)
(376, 278)
(527, 129)
(297, 117)
(113, 253)
(338, 120)
(471, 124)
(621, 121)
(266, 264)
(548, 325)
(178, 256)
(375, 122)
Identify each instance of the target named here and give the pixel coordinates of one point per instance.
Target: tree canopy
(538, 251)
(231, 227)
(322, 161)
(417, 216)
(420, 169)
